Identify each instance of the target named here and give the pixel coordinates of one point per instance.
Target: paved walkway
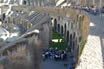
(93, 54)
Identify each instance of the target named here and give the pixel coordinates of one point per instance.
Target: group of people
(55, 54)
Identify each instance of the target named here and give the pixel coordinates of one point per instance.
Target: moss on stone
(83, 45)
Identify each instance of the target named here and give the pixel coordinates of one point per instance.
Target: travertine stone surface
(93, 53)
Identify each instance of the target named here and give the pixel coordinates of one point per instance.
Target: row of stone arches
(64, 32)
(71, 30)
(59, 28)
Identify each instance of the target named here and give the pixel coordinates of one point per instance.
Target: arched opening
(55, 24)
(67, 36)
(74, 35)
(3, 16)
(62, 30)
(58, 27)
(51, 18)
(71, 40)
(65, 29)
(70, 37)
(77, 53)
(24, 2)
(0, 20)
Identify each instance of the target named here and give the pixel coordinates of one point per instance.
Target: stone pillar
(35, 53)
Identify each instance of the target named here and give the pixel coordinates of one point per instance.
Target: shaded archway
(62, 30)
(58, 27)
(55, 24)
(74, 35)
(67, 36)
(3, 16)
(70, 37)
(65, 29)
(71, 43)
(77, 53)
(24, 2)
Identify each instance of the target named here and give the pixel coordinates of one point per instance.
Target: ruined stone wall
(71, 32)
(17, 57)
(76, 31)
(24, 56)
(64, 12)
(77, 19)
(29, 56)
(91, 2)
(45, 36)
(43, 3)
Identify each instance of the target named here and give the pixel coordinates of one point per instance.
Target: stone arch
(74, 35)
(24, 2)
(55, 24)
(65, 29)
(78, 52)
(67, 38)
(0, 19)
(71, 43)
(70, 37)
(3, 16)
(51, 18)
(62, 30)
(58, 27)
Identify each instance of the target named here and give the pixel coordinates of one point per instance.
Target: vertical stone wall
(77, 27)
(45, 36)
(17, 56)
(71, 32)
(75, 21)
(30, 57)
(27, 55)
(72, 14)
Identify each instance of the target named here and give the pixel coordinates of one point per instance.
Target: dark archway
(65, 29)
(58, 27)
(24, 2)
(62, 30)
(71, 43)
(3, 16)
(74, 35)
(70, 37)
(55, 24)
(51, 18)
(67, 36)
(77, 53)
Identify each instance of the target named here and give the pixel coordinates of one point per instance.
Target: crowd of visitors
(55, 54)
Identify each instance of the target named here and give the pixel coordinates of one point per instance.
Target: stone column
(35, 53)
